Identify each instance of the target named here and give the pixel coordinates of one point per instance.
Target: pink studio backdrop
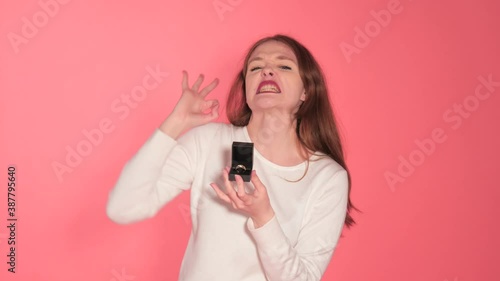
(415, 85)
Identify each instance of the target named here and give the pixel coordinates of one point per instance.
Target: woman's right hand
(192, 109)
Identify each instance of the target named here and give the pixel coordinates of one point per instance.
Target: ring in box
(241, 160)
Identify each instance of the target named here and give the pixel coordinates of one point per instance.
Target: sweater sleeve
(160, 170)
(318, 237)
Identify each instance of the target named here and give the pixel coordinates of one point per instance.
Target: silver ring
(240, 168)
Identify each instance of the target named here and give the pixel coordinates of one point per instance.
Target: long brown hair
(316, 126)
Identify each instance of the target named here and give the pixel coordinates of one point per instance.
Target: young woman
(285, 223)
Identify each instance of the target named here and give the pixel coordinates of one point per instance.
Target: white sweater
(297, 244)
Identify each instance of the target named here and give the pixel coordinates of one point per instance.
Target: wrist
(259, 221)
(172, 126)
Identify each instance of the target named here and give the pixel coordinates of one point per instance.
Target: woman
(286, 222)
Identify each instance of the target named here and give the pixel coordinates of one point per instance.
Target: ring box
(241, 160)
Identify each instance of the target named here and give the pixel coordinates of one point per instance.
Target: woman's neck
(275, 138)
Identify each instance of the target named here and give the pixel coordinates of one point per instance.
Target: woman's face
(273, 79)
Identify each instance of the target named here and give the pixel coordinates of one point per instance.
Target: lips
(268, 87)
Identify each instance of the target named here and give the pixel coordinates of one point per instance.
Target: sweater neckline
(268, 162)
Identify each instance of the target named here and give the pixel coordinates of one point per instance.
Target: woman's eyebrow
(280, 57)
(255, 59)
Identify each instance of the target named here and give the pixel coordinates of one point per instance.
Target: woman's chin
(264, 104)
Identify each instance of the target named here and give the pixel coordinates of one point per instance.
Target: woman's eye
(285, 67)
(255, 68)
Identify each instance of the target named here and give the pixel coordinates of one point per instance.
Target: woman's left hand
(255, 204)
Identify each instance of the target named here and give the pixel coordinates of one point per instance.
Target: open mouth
(268, 87)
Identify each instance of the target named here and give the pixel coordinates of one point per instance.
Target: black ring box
(241, 154)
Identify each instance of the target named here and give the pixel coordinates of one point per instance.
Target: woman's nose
(267, 71)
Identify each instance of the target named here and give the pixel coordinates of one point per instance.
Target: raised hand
(192, 109)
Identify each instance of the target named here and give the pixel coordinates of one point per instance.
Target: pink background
(405, 80)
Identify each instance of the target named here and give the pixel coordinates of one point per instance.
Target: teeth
(269, 88)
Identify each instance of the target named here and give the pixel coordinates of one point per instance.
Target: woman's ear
(303, 96)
